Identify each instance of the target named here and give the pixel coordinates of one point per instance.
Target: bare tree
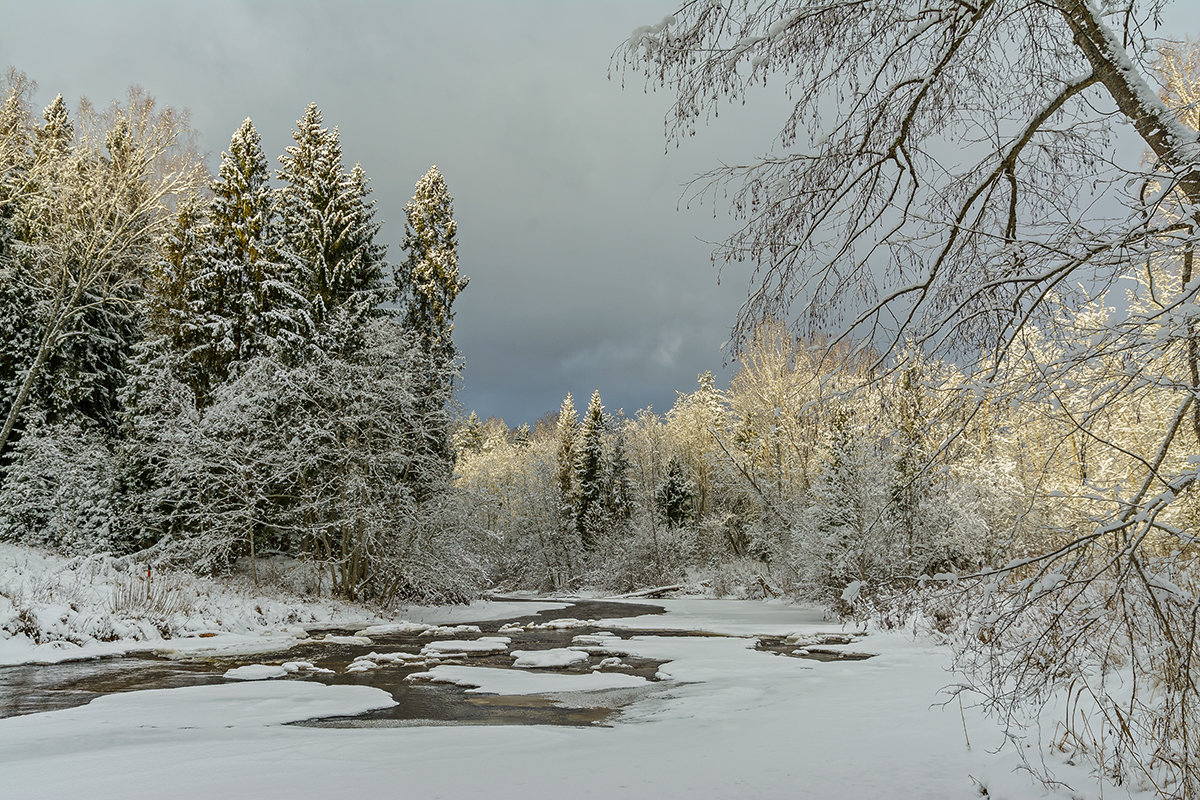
(956, 174)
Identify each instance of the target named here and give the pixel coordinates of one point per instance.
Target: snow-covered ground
(726, 721)
(55, 609)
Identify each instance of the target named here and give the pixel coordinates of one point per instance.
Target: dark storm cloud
(583, 272)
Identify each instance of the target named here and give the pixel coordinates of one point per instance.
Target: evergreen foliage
(428, 282)
(244, 297)
(675, 496)
(329, 230)
(590, 474)
(222, 379)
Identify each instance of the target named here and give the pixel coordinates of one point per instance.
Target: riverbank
(721, 717)
(55, 609)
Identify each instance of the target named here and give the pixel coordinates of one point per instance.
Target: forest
(202, 368)
(964, 393)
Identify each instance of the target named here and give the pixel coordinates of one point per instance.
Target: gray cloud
(583, 272)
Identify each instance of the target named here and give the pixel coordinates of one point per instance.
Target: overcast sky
(584, 272)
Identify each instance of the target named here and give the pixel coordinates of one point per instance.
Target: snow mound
(556, 658)
(566, 623)
(452, 630)
(393, 658)
(479, 647)
(612, 662)
(395, 629)
(256, 672)
(293, 667)
(331, 638)
(492, 680)
(601, 638)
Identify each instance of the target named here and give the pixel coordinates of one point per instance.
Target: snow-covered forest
(202, 368)
(964, 398)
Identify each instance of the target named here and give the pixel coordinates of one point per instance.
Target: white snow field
(726, 722)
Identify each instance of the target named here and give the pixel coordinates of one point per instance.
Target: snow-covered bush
(62, 491)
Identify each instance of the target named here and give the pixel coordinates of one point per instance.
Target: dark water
(32, 688)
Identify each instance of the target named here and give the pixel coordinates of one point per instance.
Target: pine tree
(589, 474)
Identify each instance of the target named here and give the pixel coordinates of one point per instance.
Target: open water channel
(27, 689)
(31, 688)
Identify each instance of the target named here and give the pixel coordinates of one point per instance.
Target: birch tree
(90, 199)
(951, 174)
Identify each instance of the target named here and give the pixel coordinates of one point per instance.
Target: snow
(394, 629)
(481, 646)
(728, 617)
(331, 638)
(548, 659)
(452, 630)
(566, 623)
(126, 718)
(725, 721)
(255, 672)
(731, 722)
(55, 609)
(491, 680)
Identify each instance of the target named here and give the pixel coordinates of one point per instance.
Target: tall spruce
(247, 303)
(430, 281)
(329, 230)
(590, 474)
(430, 274)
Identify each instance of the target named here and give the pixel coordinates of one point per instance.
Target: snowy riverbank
(724, 720)
(55, 609)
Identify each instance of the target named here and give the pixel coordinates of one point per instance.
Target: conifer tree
(564, 491)
(564, 459)
(620, 488)
(430, 282)
(430, 274)
(329, 228)
(589, 474)
(246, 303)
(469, 436)
(675, 495)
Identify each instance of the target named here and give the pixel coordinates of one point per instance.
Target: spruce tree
(620, 490)
(589, 474)
(430, 274)
(80, 374)
(564, 459)
(329, 230)
(243, 293)
(566, 536)
(675, 495)
(430, 282)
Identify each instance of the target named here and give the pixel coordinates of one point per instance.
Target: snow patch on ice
(482, 646)
(255, 672)
(492, 680)
(556, 658)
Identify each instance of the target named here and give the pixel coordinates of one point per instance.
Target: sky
(587, 271)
